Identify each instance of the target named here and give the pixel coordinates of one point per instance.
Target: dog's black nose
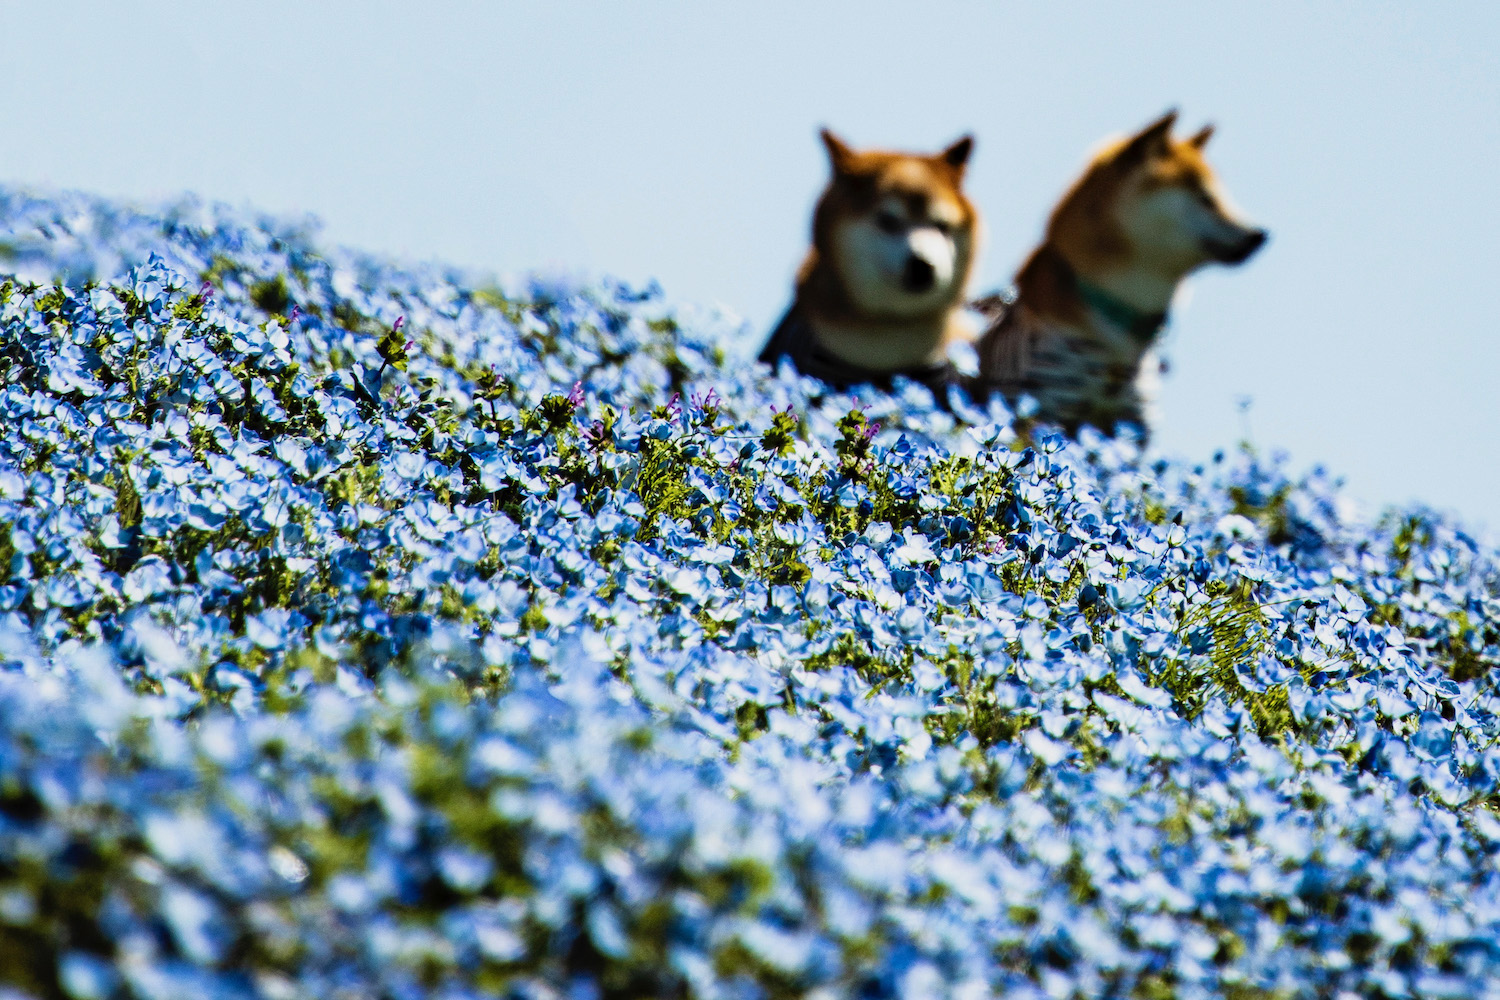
(918, 275)
(1240, 252)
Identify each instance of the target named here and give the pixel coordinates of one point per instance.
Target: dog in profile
(881, 292)
(1077, 335)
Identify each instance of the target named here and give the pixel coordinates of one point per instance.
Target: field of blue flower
(369, 631)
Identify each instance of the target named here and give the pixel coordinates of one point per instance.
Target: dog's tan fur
(1090, 299)
(886, 223)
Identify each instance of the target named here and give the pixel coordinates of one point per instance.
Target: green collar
(1139, 324)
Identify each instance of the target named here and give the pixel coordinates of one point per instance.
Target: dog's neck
(1140, 289)
(1133, 298)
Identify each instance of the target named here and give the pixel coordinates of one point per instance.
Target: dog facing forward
(880, 294)
(1090, 301)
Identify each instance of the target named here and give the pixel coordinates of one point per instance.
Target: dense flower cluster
(367, 631)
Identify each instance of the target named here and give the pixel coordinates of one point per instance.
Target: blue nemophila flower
(564, 655)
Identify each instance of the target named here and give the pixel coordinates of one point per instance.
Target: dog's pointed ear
(839, 154)
(957, 155)
(1200, 139)
(1150, 141)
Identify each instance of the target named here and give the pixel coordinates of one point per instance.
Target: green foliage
(781, 436)
(1231, 629)
(392, 350)
(272, 295)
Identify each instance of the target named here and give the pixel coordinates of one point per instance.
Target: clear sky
(678, 141)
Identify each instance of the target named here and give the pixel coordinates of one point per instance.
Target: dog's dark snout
(1240, 252)
(918, 275)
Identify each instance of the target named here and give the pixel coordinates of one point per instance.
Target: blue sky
(678, 141)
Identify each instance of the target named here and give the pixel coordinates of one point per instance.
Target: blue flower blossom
(370, 629)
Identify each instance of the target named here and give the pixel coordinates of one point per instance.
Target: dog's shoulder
(789, 337)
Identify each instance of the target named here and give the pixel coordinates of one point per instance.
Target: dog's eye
(889, 222)
(942, 227)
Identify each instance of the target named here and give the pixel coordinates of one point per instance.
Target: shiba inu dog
(1089, 302)
(880, 292)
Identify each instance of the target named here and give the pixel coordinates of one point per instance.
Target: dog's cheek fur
(1166, 227)
(866, 260)
(965, 245)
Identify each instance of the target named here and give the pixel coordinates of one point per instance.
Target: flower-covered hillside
(373, 632)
